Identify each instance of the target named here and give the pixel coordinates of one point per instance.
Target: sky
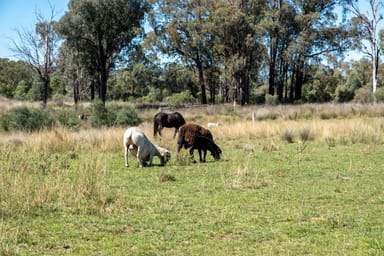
(19, 14)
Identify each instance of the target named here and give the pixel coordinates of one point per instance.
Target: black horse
(202, 144)
(161, 120)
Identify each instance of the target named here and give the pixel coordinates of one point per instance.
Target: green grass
(265, 197)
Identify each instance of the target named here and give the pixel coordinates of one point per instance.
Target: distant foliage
(68, 119)
(113, 114)
(101, 116)
(379, 94)
(181, 98)
(363, 95)
(26, 119)
(127, 116)
(271, 99)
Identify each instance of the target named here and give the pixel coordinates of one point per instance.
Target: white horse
(137, 143)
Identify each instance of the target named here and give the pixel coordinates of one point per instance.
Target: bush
(379, 94)
(69, 119)
(363, 95)
(344, 94)
(100, 115)
(127, 117)
(271, 99)
(179, 99)
(113, 114)
(26, 119)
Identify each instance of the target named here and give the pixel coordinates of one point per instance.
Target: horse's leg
(126, 155)
(174, 135)
(139, 158)
(160, 128)
(191, 153)
(150, 160)
(155, 126)
(205, 155)
(200, 155)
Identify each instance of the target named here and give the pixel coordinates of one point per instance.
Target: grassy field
(298, 180)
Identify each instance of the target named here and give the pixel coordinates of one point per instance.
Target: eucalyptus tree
(78, 71)
(367, 24)
(102, 30)
(238, 45)
(215, 38)
(299, 33)
(38, 48)
(16, 78)
(180, 32)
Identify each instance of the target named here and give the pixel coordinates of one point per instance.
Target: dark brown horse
(202, 144)
(197, 137)
(169, 120)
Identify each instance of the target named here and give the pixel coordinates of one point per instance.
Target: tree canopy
(101, 30)
(213, 51)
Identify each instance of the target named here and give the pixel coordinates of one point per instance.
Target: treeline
(178, 52)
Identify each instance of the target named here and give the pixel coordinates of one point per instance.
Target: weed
(288, 136)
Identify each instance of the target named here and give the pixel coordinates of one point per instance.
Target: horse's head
(166, 155)
(216, 154)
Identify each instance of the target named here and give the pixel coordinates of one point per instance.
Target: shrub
(26, 119)
(271, 99)
(344, 94)
(379, 94)
(113, 114)
(363, 95)
(69, 119)
(101, 116)
(127, 116)
(179, 99)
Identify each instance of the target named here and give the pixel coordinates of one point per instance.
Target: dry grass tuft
(166, 177)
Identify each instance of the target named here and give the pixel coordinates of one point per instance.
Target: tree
(38, 49)
(367, 24)
(238, 46)
(78, 72)
(179, 32)
(298, 33)
(101, 30)
(216, 39)
(12, 74)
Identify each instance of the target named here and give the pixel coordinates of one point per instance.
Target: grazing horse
(161, 120)
(136, 142)
(197, 137)
(202, 144)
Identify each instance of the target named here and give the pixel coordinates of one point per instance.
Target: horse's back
(176, 119)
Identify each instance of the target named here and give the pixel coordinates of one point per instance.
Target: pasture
(299, 180)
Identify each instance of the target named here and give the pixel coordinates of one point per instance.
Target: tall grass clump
(288, 136)
(27, 119)
(37, 183)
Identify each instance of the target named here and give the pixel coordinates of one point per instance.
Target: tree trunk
(45, 91)
(103, 85)
(92, 90)
(201, 81)
(272, 68)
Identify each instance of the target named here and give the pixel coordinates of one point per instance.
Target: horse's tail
(180, 139)
(155, 126)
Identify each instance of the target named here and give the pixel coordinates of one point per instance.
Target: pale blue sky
(19, 14)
